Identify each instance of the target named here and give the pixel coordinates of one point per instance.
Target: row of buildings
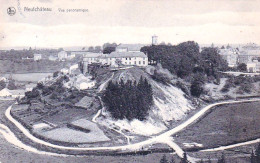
(61, 56)
(248, 54)
(124, 55)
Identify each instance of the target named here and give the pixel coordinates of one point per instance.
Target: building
(29, 87)
(53, 58)
(248, 53)
(12, 93)
(62, 55)
(82, 82)
(129, 47)
(3, 79)
(65, 71)
(78, 53)
(154, 40)
(230, 55)
(73, 68)
(116, 59)
(71, 56)
(37, 57)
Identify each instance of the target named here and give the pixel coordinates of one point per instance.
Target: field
(32, 77)
(224, 125)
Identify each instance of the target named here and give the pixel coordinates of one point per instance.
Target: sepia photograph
(130, 81)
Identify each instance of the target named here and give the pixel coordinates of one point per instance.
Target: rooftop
(126, 54)
(131, 47)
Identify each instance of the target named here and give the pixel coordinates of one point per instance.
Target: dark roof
(126, 54)
(131, 47)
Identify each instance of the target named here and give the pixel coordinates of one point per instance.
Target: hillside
(170, 104)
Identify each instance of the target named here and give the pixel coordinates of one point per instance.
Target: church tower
(154, 40)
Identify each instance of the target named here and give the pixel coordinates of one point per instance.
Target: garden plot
(74, 134)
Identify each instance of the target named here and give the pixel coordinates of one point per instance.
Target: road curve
(162, 138)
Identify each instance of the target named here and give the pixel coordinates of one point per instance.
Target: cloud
(218, 21)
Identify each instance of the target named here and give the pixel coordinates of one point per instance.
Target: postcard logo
(11, 11)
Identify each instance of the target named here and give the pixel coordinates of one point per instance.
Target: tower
(154, 40)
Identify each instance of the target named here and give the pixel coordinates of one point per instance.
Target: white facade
(65, 71)
(230, 55)
(62, 55)
(251, 67)
(71, 56)
(86, 85)
(11, 93)
(37, 57)
(29, 87)
(116, 59)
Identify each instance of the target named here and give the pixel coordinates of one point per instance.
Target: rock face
(170, 104)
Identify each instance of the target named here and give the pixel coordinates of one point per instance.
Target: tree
(2, 84)
(222, 47)
(11, 85)
(242, 67)
(55, 74)
(184, 159)
(201, 161)
(222, 159)
(91, 49)
(108, 50)
(257, 152)
(128, 100)
(196, 88)
(172, 160)
(253, 158)
(163, 159)
(97, 49)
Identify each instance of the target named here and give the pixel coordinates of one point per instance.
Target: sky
(129, 21)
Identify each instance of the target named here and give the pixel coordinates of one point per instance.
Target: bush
(161, 77)
(2, 84)
(196, 88)
(245, 88)
(242, 67)
(55, 74)
(32, 94)
(11, 85)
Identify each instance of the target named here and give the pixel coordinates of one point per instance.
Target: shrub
(245, 88)
(161, 77)
(55, 74)
(242, 67)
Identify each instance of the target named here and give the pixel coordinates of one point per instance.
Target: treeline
(244, 83)
(184, 59)
(187, 62)
(128, 99)
(14, 55)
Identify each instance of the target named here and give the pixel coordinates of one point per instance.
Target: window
(144, 62)
(130, 58)
(130, 63)
(139, 62)
(144, 58)
(125, 62)
(125, 58)
(135, 62)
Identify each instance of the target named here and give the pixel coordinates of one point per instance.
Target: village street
(165, 138)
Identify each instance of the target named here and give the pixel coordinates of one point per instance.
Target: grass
(32, 77)
(225, 125)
